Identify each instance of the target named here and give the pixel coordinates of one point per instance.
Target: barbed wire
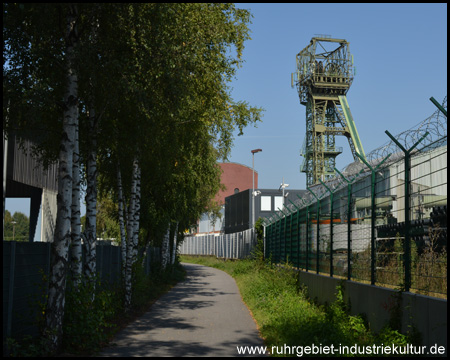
(435, 125)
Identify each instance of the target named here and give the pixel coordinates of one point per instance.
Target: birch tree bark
(130, 259)
(174, 253)
(60, 247)
(91, 200)
(123, 241)
(165, 251)
(137, 211)
(76, 252)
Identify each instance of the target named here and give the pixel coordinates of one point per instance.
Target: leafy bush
(88, 316)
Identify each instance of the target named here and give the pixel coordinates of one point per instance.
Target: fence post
(265, 226)
(349, 226)
(307, 238)
(307, 230)
(318, 229)
(284, 235)
(407, 245)
(433, 100)
(272, 233)
(277, 248)
(285, 231)
(298, 233)
(373, 216)
(331, 227)
(223, 245)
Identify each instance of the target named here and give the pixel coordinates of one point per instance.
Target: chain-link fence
(382, 220)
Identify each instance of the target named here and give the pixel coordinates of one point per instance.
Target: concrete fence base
(427, 314)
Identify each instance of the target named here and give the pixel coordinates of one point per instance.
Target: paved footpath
(202, 316)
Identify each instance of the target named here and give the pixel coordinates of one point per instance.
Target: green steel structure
(323, 76)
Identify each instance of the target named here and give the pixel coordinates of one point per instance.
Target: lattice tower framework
(324, 74)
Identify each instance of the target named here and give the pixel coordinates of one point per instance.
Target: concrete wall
(427, 314)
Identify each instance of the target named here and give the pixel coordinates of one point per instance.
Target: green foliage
(258, 252)
(157, 76)
(28, 346)
(18, 231)
(88, 317)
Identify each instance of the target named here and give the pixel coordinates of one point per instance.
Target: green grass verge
(285, 315)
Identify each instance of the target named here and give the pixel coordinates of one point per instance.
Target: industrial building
(238, 207)
(235, 178)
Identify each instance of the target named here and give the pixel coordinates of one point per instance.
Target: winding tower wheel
(323, 76)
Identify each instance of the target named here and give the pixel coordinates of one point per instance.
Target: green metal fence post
(433, 100)
(290, 215)
(373, 215)
(284, 234)
(265, 224)
(307, 239)
(271, 240)
(331, 227)
(318, 234)
(277, 257)
(407, 244)
(298, 233)
(307, 231)
(349, 223)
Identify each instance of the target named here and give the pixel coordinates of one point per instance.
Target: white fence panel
(229, 246)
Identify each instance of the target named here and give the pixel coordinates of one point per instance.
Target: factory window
(266, 203)
(278, 202)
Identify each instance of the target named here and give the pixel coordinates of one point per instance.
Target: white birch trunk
(54, 313)
(91, 200)
(165, 251)
(174, 252)
(123, 241)
(137, 211)
(76, 253)
(130, 239)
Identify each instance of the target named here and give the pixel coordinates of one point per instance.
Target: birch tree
(157, 74)
(90, 233)
(120, 202)
(42, 75)
(165, 249)
(76, 251)
(59, 249)
(174, 251)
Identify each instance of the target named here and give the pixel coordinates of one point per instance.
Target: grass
(286, 316)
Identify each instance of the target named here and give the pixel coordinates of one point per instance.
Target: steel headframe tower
(323, 76)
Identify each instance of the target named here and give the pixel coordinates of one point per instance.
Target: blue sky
(400, 56)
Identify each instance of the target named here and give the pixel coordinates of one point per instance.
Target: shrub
(88, 316)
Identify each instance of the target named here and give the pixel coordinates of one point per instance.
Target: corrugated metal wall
(231, 246)
(25, 169)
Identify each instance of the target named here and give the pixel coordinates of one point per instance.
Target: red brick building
(236, 177)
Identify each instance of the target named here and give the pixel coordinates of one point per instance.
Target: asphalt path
(202, 316)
